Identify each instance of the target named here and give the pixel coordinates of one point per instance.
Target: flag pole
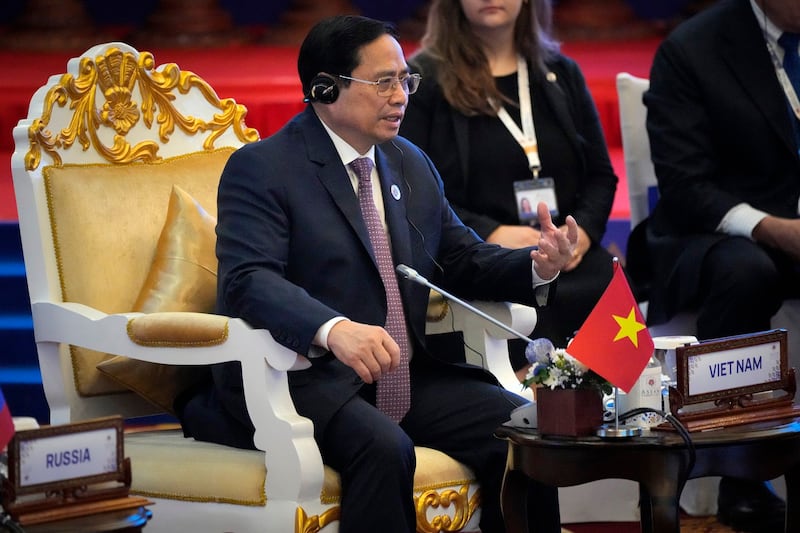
(618, 431)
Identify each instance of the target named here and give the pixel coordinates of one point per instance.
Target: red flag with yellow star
(614, 341)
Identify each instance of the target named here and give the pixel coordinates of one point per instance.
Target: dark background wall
(58, 23)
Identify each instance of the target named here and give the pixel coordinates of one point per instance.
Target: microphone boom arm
(411, 274)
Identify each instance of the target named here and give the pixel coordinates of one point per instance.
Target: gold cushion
(437, 307)
(115, 214)
(183, 277)
(166, 466)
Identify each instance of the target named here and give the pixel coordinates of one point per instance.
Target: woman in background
(505, 116)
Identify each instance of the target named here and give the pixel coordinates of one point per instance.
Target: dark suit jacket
(443, 133)
(720, 134)
(294, 251)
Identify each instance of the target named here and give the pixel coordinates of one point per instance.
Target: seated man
(725, 236)
(311, 225)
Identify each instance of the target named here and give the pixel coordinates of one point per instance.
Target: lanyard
(526, 137)
(784, 80)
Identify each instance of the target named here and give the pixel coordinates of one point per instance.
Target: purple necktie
(393, 396)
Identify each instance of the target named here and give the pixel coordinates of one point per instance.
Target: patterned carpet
(704, 524)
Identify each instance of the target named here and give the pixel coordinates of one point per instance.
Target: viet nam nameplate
(733, 380)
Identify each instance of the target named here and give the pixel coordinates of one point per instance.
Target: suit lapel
(742, 47)
(333, 175)
(394, 190)
(334, 178)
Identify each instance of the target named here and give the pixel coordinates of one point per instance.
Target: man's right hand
(368, 350)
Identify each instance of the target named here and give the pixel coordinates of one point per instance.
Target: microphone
(412, 275)
(524, 416)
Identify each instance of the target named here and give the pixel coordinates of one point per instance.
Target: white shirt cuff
(741, 220)
(537, 280)
(320, 342)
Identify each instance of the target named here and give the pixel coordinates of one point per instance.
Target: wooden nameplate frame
(68, 471)
(733, 381)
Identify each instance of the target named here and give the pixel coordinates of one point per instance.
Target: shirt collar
(346, 152)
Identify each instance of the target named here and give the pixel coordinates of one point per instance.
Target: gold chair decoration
(118, 74)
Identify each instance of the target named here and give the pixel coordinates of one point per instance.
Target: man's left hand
(556, 247)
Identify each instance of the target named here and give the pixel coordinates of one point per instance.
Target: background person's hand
(514, 236)
(779, 233)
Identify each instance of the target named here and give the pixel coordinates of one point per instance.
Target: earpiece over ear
(323, 89)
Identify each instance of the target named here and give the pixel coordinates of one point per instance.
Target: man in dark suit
(724, 238)
(297, 257)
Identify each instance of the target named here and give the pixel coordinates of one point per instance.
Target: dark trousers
(742, 285)
(452, 411)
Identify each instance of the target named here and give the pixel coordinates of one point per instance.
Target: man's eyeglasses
(387, 84)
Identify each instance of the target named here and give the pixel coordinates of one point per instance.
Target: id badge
(529, 193)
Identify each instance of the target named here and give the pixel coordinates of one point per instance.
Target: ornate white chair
(115, 174)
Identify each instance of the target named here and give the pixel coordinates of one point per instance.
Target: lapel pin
(551, 77)
(395, 192)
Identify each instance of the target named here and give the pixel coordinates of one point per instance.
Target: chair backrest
(94, 167)
(642, 185)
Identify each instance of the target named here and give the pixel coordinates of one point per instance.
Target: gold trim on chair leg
(313, 524)
(465, 508)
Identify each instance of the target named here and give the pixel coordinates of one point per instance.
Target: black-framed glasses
(387, 84)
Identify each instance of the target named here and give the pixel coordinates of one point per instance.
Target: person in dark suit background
(296, 258)
(724, 237)
(472, 58)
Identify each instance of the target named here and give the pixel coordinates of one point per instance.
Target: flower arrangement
(554, 368)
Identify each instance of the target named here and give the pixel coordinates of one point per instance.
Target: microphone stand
(411, 274)
(523, 416)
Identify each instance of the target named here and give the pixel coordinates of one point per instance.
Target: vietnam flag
(6, 424)
(614, 341)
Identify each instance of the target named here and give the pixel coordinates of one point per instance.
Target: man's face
(359, 115)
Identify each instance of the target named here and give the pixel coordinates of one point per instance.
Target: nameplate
(733, 380)
(734, 368)
(54, 457)
(70, 456)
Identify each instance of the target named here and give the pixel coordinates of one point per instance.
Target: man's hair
(333, 46)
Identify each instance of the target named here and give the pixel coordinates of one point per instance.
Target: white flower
(580, 367)
(554, 368)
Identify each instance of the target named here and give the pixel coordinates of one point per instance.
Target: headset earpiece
(323, 89)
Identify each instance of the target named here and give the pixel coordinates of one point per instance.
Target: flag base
(618, 432)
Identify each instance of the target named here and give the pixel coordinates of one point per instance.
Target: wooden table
(655, 461)
(120, 521)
